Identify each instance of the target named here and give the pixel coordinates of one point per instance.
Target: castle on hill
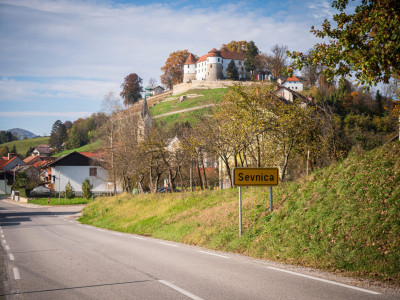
(212, 66)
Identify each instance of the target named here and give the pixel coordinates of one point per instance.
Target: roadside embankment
(344, 218)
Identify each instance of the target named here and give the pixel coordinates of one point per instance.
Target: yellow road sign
(255, 176)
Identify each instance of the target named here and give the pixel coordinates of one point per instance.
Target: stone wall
(208, 85)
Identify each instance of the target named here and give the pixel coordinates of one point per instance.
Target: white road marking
(4, 242)
(7, 247)
(136, 237)
(2, 236)
(219, 255)
(178, 289)
(117, 233)
(16, 274)
(168, 244)
(326, 281)
(11, 256)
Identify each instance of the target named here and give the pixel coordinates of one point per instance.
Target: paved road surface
(49, 255)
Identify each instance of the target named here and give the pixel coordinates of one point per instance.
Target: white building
(75, 168)
(293, 83)
(212, 66)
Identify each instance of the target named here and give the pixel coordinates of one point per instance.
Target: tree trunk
(204, 171)
(198, 172)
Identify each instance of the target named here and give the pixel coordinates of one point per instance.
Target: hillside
(344, 218)
(23, 145)
(197, 103)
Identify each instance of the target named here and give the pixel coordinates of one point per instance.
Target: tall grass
(343, 218)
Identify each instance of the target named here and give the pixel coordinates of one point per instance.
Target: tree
(21, 180)
(173, 69)
(234, 46)
(58, 135)
(277, 61)
(69, 191)
(251, 53)
(232, 70)
(87, 189)
(4, 151)
(363, 44)
(14, 149)
(131, 89)
(74, 140)
(311, 72)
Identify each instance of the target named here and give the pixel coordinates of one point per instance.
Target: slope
(344, 218)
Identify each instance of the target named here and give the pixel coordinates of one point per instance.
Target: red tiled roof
(223, 54)
(233, 55)
(190, 60)
(293, 78)
(39, 164)
(31, 158)
(92, 154)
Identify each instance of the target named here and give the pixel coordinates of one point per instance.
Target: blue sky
(58, 59)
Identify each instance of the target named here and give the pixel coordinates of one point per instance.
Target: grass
(207, 97)
(23, 145)
(87, 148)
(63, 201)
(344, 218)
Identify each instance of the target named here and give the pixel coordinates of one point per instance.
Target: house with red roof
(293, 83)
(10, 162)
(212, 66)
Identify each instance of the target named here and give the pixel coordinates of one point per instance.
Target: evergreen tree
(232, 71)
(74, 140)
(4, 151)
(379, 105)
(87, 189)
(58, 135)
(14, 149)
(251, 53)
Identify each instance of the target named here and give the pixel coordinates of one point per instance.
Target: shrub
(69, 191)
(87, 189)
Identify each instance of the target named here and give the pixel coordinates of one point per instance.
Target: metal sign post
(270, 198)
(240, 211)
(254, 177)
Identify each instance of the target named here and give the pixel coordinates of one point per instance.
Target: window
(218, 59)
(210, 66)
(93, 171)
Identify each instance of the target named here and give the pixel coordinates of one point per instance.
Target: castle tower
(214, 65)
(189, 69)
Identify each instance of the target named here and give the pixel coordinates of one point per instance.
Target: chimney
(11, 155)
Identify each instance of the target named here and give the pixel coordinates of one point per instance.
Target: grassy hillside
(87, 148)
(345, 218)
(23, 145)
(195, 98)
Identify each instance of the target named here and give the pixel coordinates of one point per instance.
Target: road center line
(11, 256)
(178, 289)
(4, 242)
(172, 245)
(219, 255)
(16, 274)
(326, 281)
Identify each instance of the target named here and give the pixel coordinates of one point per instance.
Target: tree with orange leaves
(173, 69)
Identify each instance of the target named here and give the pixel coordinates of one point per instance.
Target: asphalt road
(49, 255)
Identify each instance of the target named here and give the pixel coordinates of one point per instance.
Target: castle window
(210, 66)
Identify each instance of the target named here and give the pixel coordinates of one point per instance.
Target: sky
(59, 58)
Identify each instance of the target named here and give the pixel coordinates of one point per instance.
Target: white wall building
(293, 83)
(213, 65)
(75, 168)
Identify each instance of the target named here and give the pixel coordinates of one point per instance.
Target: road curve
(49, 255)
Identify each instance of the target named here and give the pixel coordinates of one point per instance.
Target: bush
(69, 191)
(87, 189)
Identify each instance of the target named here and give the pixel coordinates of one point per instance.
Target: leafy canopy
(173, 69)
(131, 89)
(365, 44)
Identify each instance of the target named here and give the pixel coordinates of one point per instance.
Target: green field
(87, 148)
(23, 145)
(205, 97)
(344, 218)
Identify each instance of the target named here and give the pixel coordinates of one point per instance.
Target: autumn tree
(311, 72)
(173, 68)
(235, 46)
(363, 43)
(131, 89)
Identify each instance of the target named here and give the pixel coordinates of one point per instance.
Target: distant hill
(22, 133)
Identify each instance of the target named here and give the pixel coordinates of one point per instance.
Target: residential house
(10, 162)
(293, 83)
(154, 90)
(42, 150)
(6, 182)
(75, 168)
